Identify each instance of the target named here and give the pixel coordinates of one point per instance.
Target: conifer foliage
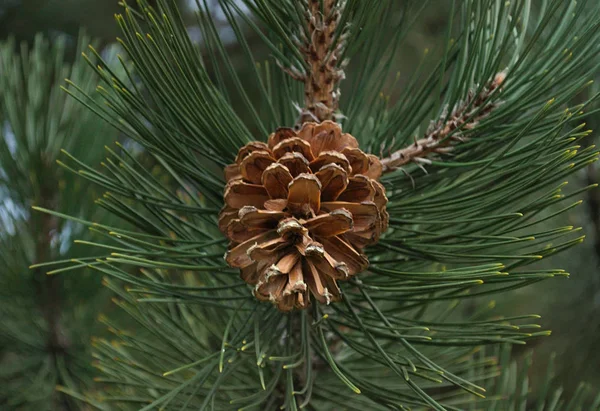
(46, 320)
(474, 156)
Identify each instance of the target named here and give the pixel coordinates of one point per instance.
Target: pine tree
(364, 208)
(46, 320)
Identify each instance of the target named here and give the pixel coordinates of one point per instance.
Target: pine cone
(299, 211)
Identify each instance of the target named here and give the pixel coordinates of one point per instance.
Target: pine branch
(393, 339)
(321, 47)
(48, 288)
(444, 133)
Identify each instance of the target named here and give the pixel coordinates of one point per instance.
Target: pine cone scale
(253, 166)
(334, 181)
(296, 164)
(276, 178)
(335, 223)
(239, 194)
(304, 196)
(294, 145)
(239, 255)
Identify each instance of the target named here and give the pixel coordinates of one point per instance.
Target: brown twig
(321, 47)
(441, 135)
(48, 287)
(593, 203)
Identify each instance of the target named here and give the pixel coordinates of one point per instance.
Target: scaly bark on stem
(321, 81)
(438, 140)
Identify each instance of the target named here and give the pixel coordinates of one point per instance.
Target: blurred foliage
(23, 19)
(46, 320)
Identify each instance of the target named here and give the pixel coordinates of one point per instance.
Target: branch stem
(443, 134)
(48, 288)
(321, 49)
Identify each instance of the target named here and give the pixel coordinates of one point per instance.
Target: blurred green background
(570, 307)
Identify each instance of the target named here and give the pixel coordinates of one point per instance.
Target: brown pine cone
(299, 210)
